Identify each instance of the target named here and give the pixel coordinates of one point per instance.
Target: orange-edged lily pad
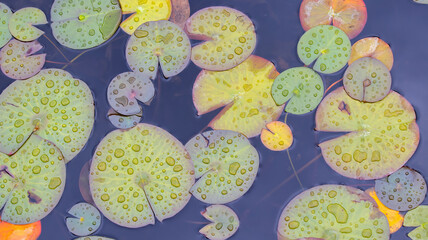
(5, 15)
(245, 91)
(417, 217)
(224, 222)
(372, 47)
(277, 136)
(22, 21)
(180, 12)
(348, 15)
(124, 121)
(383, 135)
(229, 36)
(10, 231)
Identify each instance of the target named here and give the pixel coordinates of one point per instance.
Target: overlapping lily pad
(332, 212)
(85, 221)
(277, 136)
(17, 60)
(417, 217)
(372, 47)
(383, 135)
(52, 105)
(140, 173)
(21, 23)
(10, 231)
(180, 12)
(226, 164)
(224, 222)
(123, 121)
(229, 37)
(83, 24)
(327, 46)
(302, 87)
(160, 42)
(245, 91)
(5, 14)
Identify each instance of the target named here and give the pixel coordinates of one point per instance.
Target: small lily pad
(277, 136)
(301, 86)
(160, 42)
(403, 190)
(123, 121)
(83, 24)
(86, 220)
(226, 164)
(10, 231)
(229, 36)
(332, 212)
(372, 47)
(327, 45)
(22, 21)
(94, 238)
(417, 217)
(180, 12)
(17, 60)
(125, 89)
(224, 222)
(5, 14)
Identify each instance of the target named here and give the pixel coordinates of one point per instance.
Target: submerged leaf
(84, 183)
(22, 21)
(85, 221)
(5, 14)
(10, 231)
(277, 137)
(417, 217)
(224, 222)
(372, 47)
(180, 12)
(123, 121)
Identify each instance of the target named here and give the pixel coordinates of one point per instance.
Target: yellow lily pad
(277, 136)
(372, 47)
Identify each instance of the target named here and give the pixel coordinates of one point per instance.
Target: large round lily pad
(85, 221)
(417, 217)
(33, 180)
(245, 91)
(22, 21)
(383, 135)
(302, 87)
(83, 24)
(372, 47)
(140, 173)
(224, 222)
(29, 231)
(52, 105)
(123, 121)
(17, 60)
(332, 212)
(226, 164)
(327, 46)
(277, 136)
(5, 14)
(229, 36)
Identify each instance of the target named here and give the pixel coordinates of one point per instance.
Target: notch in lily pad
(5, 15)
(124, 121)
(224, 222)
(21, 23)
(85, 221)
(417, 218)
(372, 47)
(277, 136)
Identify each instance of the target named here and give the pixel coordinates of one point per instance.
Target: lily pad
(332, 212)
(52, 105)
(224, 222)
(33, 180)
(403, 190)
(327, 46)
(348, 15)
(421, 1)
(372, 47)
(301, 86)
(83, 24)
(5, 14)
(367, 79)
(93, 238)
(22, 21)
(123, 121)
(383, 135)
(143, 11)
(277, 136)
(86, 220)
(160, 42)
(84, 188)
(226, 164)
(417, 217)
(10, 231)
(229, 37)
(124, 91)
(245, 93)
(17, 60)
(180, 12)
(138, 173)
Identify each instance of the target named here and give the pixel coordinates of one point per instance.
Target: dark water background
(401, 23)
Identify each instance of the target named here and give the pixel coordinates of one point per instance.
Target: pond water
(401, 23)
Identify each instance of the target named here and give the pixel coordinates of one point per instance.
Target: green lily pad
(417, 217)
(226, 164)
(224, 222)
(5, 14)
(332, 212)
(17, 60)
(123, 121)
(22, 21)
(327, 46)
(83, 24)
(301, 86)
(140, 173)
(160, 42)
(52, 105)
(93, 238)
(33, 181)
(86, 220)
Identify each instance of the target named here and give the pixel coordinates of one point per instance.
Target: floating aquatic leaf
(417, 217)
(93, 238)
(180, 12)
(143, 11)
(367, 79)
(327, 45)
(348, 15)
(244, 90)
(125, 89)
(84, 183)
(52, 105)
(5, 14)
(332, 212)
(277, 136)
(230, 37)
(226, 164)
(123, 121)
(22, 21)
(86, 23)
(17, 60)
(86, 220)
(301, 86)
(10, 231)
(33, 180)
(160, 42)
(372, 47)
(383, 135)
(138, 172)
(224, 222)
(403, 190)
